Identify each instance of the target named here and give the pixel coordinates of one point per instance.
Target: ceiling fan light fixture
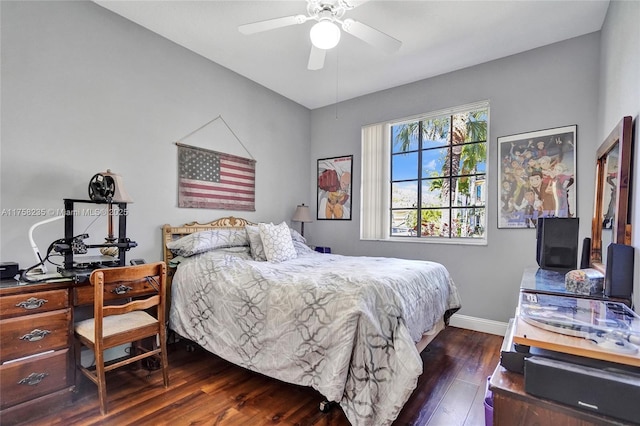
(325, 35)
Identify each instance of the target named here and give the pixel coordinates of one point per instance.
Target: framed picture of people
(334, 188)
(536, 176)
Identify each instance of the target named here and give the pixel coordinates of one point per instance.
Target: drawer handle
(122, 289)
(35, 335)
(32, 303)
(33, 379)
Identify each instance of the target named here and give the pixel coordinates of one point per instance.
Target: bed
(350, 327)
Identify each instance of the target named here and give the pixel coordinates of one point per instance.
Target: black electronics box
(557, 243)
(8, 270)
(611, 392)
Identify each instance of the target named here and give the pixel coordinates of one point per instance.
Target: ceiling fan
(325, 34)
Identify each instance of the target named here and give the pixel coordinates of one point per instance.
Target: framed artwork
(536, 176)
(334, 188)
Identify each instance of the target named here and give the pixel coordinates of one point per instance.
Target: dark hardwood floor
(206, 390)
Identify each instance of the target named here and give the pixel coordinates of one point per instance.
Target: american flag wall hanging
(215, 180)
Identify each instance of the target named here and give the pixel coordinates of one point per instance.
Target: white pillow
(277, 242)
(255, 241)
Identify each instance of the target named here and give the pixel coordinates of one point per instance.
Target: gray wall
(84, 90)
(620, 96)
(552, 86)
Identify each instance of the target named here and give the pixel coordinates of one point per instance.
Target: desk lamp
(42, 269)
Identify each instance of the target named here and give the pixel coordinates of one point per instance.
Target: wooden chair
(117, 324)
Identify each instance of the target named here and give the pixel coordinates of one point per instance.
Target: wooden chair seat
(115, 324)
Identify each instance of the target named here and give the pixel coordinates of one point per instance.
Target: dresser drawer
(32, 334)
(84, 295)
(27, 379)
(32, 303)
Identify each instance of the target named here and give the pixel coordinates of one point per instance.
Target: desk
(37, 375)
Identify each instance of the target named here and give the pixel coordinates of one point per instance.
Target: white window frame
(375, 180)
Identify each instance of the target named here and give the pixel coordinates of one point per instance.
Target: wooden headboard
(171, 233)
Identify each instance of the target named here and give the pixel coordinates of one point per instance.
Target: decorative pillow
(278, 245)
(202, 241)
(255, 241)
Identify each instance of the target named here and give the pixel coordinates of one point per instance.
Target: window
(435, 171)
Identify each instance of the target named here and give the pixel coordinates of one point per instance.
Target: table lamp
(302, 215)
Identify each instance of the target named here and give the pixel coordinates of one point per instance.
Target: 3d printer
(77, 267)
(104, 189)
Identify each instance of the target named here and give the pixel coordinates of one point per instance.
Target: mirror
(610, 223)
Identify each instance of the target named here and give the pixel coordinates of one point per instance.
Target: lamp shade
(302, 214)
(325, 35)
(120, 194)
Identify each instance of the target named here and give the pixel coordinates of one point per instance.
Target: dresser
(512, 405)
(36, 332)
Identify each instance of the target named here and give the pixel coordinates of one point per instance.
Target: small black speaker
(618, 277)
(585, 259)
(557, 243)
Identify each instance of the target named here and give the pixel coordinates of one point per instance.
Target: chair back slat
(136, 305)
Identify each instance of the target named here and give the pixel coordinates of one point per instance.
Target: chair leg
(77, 353)
(102, 384)
(134, 351)
(163, 357)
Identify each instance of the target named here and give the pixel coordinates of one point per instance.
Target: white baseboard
(478, 324)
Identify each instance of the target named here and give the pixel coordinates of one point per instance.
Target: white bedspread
(346, 326)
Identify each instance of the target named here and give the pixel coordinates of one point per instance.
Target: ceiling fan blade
(352, 4)
(271, 24)
(371, 36)
(316, 58)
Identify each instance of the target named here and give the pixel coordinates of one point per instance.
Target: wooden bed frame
(171, 233)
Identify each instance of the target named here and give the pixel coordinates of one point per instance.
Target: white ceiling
(437, 36)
